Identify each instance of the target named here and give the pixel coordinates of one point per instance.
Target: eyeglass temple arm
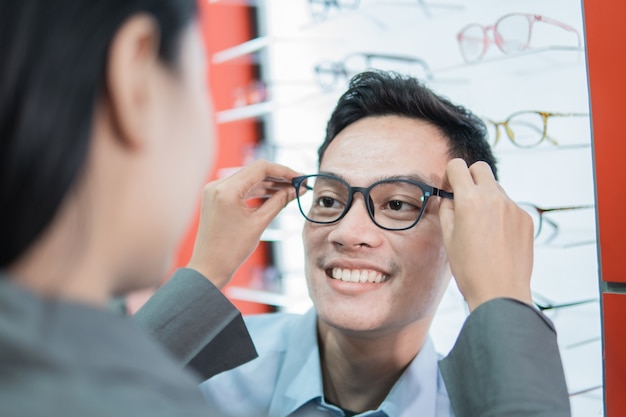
(550, 306)
(546, 115)
(443, 194)
(548, 210)
(542, 211)
(559, 24)
(550, 114)
(404, 58)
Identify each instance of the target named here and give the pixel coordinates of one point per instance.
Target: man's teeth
(357, 275)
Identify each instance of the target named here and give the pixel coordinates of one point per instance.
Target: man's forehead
(376, 148)
(361, 174)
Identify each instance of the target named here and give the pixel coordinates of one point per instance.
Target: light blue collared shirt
(286, 380)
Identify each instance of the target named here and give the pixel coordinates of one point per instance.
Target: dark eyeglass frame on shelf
(540, 211)
(542, 132)
(543, 304)
(427, 6)
(427, 192)
(319, 8)
(339, 70)
(464, 34)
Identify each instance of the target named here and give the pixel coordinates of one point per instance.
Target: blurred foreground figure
(105, 142)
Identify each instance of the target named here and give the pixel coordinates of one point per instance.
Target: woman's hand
(234, 212)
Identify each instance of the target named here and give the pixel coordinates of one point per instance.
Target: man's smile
(357, 275)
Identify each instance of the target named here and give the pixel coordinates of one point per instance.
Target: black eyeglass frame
(542, 210)
(428, 190)
(339, 70)
(327, 4)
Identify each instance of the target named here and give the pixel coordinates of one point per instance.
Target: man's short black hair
(382, 93)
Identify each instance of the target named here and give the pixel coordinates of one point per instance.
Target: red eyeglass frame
(497, 37)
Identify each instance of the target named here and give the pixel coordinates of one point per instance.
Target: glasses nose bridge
(507, 128)
(496, 128)
(494, 34)
(365, 192)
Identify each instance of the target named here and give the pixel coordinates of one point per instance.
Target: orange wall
(614, 317)
(225, 26)
(605, 37)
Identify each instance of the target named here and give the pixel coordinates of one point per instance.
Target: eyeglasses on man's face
(526, 129)
(329, 73)
(392, 204)
(511, 33)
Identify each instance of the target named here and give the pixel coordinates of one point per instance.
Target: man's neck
(358, 372)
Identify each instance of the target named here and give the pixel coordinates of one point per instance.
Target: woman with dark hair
(105, 140)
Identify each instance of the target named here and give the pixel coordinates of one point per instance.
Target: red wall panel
(614, 317)
(605, 33)
(606, 63)
(225, 26)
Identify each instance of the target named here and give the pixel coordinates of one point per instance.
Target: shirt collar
(300, 377)
(417, 388)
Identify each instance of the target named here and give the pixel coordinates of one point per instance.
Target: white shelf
(241, 50)
(246, 112)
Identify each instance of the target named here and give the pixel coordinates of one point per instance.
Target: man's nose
(356, 228)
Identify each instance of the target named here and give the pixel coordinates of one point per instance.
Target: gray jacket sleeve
(197, 324)
(506, 362)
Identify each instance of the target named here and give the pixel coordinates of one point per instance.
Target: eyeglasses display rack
(520, 66)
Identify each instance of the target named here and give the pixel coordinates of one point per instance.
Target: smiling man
(382, 239)
(369, 332)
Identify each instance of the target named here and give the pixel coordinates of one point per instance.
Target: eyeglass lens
(329, 74)
(393, 204)
(513, 33)
(525, 129)
(472, 42)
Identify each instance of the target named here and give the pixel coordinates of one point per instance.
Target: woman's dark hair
(380, 93)
(53, 57)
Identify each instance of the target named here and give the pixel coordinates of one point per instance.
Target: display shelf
(258, 296)
(245, 112)
(241, 49)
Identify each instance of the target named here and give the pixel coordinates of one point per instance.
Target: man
(382, 239)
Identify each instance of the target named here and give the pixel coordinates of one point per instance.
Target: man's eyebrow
(334, 174)
(413, 176)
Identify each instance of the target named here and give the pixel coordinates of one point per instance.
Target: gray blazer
(60, 358)
(197, 324)
(506, 362)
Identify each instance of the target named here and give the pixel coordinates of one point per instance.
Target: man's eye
(396, 205)
(400, 205)
(326, 202)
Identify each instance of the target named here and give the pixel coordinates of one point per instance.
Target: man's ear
(130, 73)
